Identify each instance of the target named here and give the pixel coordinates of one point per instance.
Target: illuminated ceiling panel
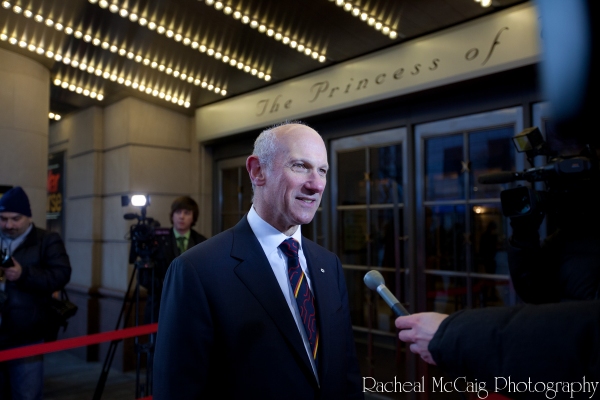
(183, 54)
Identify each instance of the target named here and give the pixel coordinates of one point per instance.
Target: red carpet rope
(64, 344)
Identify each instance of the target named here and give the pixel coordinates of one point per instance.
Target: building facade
(409, 130)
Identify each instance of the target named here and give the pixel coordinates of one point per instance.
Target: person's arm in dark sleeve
(552, 342)
(185, 336)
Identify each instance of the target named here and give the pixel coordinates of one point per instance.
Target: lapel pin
(322, 270)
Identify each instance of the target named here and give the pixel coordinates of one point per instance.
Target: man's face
(295, 182)
(13, 224)
(182, 220)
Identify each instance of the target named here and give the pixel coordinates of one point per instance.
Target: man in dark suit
(184, 215)
(259, 311)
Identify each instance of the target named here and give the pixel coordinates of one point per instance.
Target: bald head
(268, 144)
(288, 173)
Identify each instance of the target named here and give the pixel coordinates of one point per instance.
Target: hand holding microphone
(417, 330)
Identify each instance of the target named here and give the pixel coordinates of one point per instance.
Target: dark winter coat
(544, 343)
(46, 269)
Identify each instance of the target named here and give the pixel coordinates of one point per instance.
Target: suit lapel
(255, 272)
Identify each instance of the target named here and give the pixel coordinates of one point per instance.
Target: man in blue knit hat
(34, 265)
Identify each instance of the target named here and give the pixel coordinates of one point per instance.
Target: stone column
(80, 135)
(24, 107)
(125, 148)
(147, 150)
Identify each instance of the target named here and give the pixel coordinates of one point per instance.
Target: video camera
(567, 178)
(146, 235)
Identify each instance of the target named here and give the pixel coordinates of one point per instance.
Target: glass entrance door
(462, 232)
(235, 192)
(368, 232)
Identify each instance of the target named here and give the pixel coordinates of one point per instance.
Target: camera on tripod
(146, 235)
(567, 179)
(146, 238)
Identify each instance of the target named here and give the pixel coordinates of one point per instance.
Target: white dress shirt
(270, 239)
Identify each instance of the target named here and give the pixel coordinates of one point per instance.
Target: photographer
(35, 264)
(558, 341)
(555, 339)
(184, 215)
(520, 342)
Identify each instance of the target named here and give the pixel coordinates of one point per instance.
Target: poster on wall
(55, 184)
(4, 189)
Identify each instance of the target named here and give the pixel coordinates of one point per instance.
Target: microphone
(374, 281)
(500, 177)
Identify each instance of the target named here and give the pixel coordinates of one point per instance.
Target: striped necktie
(302, 293)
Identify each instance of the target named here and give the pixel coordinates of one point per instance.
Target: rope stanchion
(80, 341)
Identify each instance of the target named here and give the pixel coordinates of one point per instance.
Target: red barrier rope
(64, 344)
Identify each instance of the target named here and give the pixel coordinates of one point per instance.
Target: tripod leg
(113, 345)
